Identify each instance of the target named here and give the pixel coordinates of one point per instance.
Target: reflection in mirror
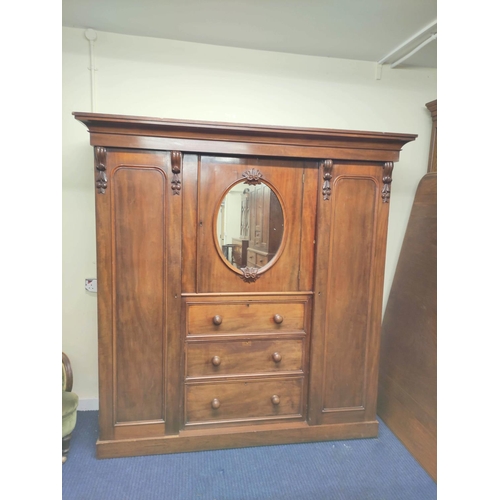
(250, 225)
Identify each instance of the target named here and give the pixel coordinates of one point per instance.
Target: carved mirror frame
(251, 177)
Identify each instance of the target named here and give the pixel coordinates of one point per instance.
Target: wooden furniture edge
(69, 373)
(405, 412)
(295, 434)
(284, 135)
(432, 107)
(432, 162)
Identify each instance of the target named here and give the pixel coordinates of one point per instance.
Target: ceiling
(382, 31)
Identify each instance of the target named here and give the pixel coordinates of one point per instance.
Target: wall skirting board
(88, 404)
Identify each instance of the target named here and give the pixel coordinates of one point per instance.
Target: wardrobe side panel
(104, 303)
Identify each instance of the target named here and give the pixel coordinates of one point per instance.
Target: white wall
(233, 213)
(169, 79)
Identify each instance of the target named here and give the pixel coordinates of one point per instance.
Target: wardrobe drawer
(261, 260)
(251, 258)
(236, 357)
(236, 317)
(255, 259)
(243, 400)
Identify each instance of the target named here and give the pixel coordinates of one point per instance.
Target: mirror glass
(250, 225)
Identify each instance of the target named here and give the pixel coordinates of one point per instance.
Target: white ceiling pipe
(410, 40)
(416, 49)
(91, 36)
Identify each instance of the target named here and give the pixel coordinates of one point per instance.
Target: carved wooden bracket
(250, 274)
(327, 177)
(252, 176)
(176, 161)
(387, 179)
(100, 159)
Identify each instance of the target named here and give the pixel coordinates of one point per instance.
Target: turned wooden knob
(216, 403)
(217, 320)
(278, 319)
(276, 357)
(275, 399)
(216, 361)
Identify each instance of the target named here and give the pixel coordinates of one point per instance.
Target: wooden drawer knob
(278, 319)
(217, 320)
(215, 403)
(216, 361)
(275, 399)
(276, 357)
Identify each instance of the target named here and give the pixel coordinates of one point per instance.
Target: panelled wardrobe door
(352, 226)
(139, 292)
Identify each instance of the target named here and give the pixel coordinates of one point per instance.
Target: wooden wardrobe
(197, 352)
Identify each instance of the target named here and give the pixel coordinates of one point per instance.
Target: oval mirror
(250, 225)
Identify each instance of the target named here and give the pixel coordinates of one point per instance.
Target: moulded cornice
(210, 137)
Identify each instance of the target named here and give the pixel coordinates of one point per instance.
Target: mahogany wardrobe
(240, 276)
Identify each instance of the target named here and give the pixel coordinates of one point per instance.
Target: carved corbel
(101, 182)
(327, 177)
(250, 274)
(252, 177)
(387, 179)
(176, 162)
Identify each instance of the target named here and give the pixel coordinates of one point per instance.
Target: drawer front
(251, 258)
(236, 317)
(243, 400)
(236, 357)
(261, 260)
(255, 259)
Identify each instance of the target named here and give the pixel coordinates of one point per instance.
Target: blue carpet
(362, 469)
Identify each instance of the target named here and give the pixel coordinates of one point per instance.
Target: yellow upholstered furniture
(69, 406)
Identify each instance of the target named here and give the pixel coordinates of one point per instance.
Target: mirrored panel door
(250, 225)
(255, 228)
